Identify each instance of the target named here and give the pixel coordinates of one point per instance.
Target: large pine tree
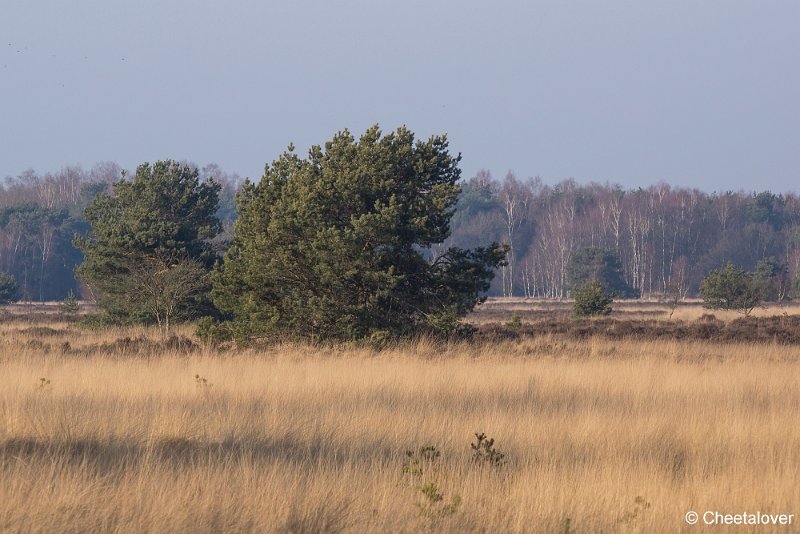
(334, 246)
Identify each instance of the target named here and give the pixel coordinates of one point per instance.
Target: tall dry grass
(305, 439)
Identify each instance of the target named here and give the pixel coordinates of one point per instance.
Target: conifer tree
(166, 216)
(334, 246)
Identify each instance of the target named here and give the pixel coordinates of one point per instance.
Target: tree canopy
(336, 245)
(602, 265)
(667, 238)
(164, 216)
(731, 288)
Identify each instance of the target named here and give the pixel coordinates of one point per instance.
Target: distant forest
(666, 239)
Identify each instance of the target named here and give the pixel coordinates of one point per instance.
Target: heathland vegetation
(329, 363)
(120, 429)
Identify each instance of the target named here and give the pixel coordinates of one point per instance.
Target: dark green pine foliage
(603, 265)
(164, 216)
(9, 291)
(731, 288)
(592, 299)
(331, 247)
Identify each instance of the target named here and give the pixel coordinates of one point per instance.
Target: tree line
(665, 240)
(662, 240)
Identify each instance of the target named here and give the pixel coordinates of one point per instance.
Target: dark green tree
(164, 216)
(772, 278)
(591, 298)
(70, 304)
(477, 196)
(602, 265)
(334, 246)
(731, 288)
(9, 291)
(767, 208)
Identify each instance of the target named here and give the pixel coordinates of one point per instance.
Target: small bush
(515, 322)
(591, 299)
(421, 468)
(433, 506)
(484, 453)
(70, 304)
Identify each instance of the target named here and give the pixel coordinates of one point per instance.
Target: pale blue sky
(693, 92)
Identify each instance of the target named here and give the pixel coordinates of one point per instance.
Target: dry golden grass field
(118, 430)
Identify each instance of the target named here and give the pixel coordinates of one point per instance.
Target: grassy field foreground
(598, 436)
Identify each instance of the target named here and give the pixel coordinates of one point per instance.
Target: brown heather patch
(781, 330)
(784, 330)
